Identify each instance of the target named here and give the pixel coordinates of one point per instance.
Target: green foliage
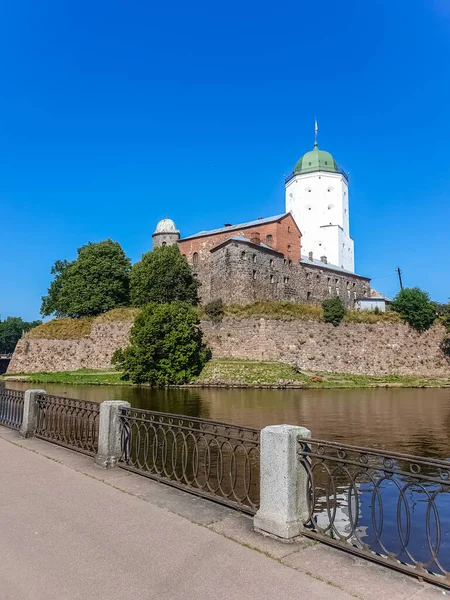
(443, 311)
(415, 307)
(11, 330)
(163, 275)
(166, 346)
(97, 281)
(214, 310)
(333, 311)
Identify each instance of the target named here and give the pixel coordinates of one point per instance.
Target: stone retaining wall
(374, 349)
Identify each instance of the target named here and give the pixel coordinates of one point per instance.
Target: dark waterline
(415, 421)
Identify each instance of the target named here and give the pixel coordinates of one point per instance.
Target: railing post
(284, 482)
(110, 433)
(28, 426)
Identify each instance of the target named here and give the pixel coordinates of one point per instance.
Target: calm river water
(415, 421)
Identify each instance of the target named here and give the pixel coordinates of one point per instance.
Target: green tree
(163, 275)
(166, 346)
(415, 307)
(333, 311)
(11, 330)
(97, 281)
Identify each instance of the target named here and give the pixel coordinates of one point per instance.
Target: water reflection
(416, 421)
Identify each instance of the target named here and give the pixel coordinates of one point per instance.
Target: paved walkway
(70, 531)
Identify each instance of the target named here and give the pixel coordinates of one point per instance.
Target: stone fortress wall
(239, 273)
(373, 349)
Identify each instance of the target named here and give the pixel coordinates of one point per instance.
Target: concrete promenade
(69, 531)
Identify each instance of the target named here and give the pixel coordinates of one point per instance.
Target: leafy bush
(97, 281)
(163, 275)
(333, 311)
(214, 310)
(415, 307)
(166, 346)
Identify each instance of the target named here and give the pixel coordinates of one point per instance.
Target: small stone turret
(166, 234)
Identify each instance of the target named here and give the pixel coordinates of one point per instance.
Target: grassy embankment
(243, 373)
(230, 372)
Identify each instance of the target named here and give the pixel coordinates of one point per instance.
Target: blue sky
(114, 114)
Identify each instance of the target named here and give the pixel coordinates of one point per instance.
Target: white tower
(317, 196)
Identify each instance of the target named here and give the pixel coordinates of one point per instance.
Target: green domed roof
(316, 160)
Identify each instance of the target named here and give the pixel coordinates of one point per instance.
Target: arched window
(289, 247)
(254, 258)
(272, 279)
(269, 238)
(195, 258)
(271, 262)
(243, 255)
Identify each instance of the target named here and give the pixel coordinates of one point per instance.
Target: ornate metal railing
(208, 458)
(11, 407)
(68, 422)
(391, 508)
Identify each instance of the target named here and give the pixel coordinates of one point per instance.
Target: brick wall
(285, 238)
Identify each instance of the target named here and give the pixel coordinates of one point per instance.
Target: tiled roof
(241, 238)
(318, 263)
(255, 223)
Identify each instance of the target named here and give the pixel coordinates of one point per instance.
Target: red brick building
(279, 233)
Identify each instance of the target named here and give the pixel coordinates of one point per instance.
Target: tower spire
(316, 131)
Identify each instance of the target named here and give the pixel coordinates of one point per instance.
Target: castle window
(164, 243)
(308, 275)
(289, 247)
(243, 255)
(318, 278)
(195, 258)
(290, 262)
(271, 262)
(268, 238)
(272, 279)
(309, 164)
(254, 258)
(354, 284)
(343, 244)
(254, 274)
(348, 284)
(329, 280)
(285, 262)
(365, 292)
(308, 295)
(289, 229)
(286, 280)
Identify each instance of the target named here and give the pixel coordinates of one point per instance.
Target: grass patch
(118, 314)
(248, 372)
(275, 310)
(261, 373)
(288, 311)
(370, 316)
(79, 377)
(73, 329)
(62, 329)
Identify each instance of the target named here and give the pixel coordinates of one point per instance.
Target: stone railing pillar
(110, 433)
(28, 427)
(283, 485)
